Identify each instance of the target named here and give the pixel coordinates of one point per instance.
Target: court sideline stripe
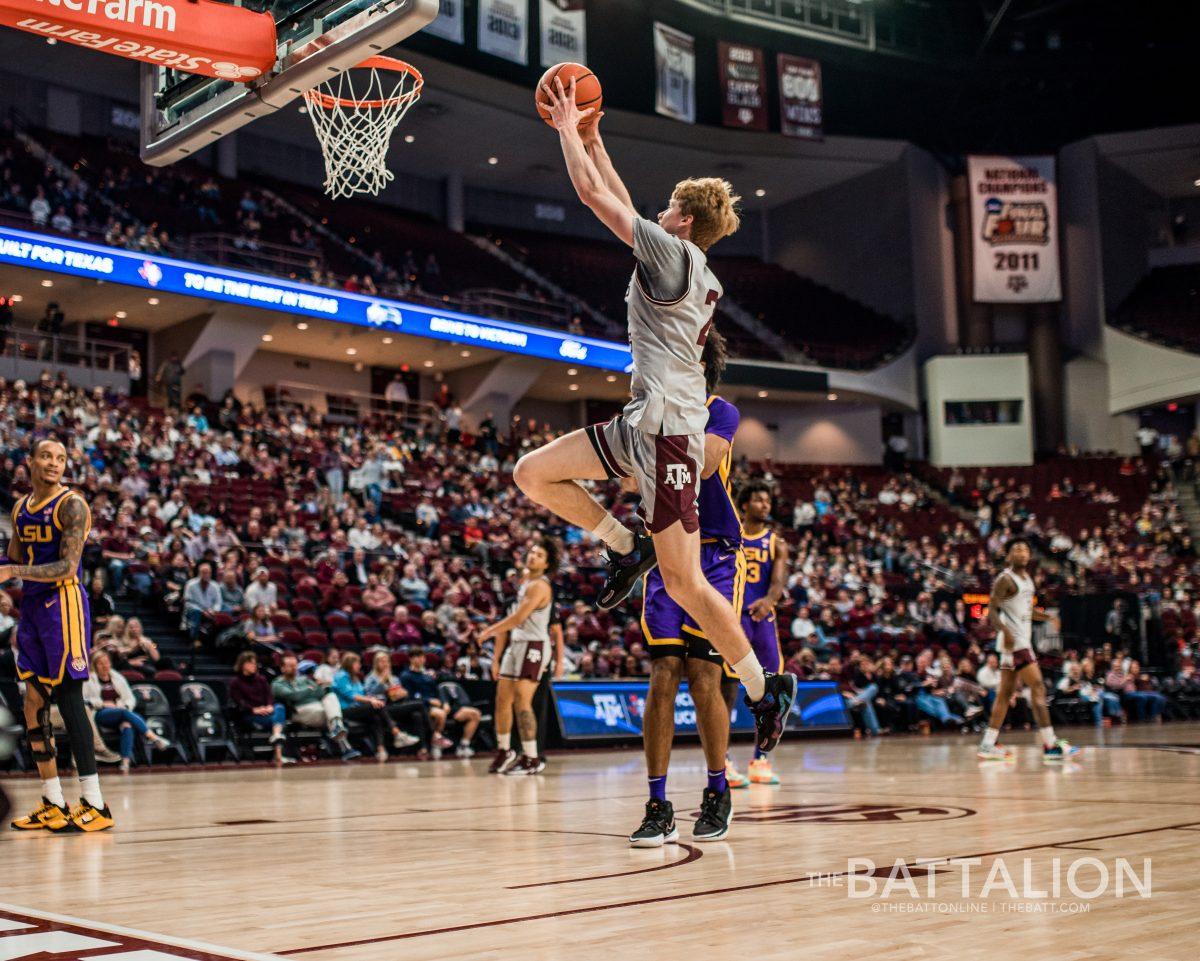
(642, 902)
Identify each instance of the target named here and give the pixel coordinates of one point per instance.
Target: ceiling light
(760, 192)
(121, 315)
(153, 301)
(611, 378)
(16, 298)
(571, 372)
(573, 387)
(1196, 182)
(47, 283)
(302, 109)
(762, 393)
(831, 396)
(387, 340)
(464, 353)
(493, 160)
(302, 326)
(351, 351)
(358, 366)
(51, 41)
(409, 138)
(429, 363)
(267, 338)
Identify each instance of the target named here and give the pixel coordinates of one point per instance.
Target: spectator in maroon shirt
(251, 695)
(403, 631)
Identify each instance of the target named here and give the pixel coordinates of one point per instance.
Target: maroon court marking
(642, 902)
(693, 854)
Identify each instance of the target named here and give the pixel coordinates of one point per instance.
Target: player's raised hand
(590, 131)
(564, 112)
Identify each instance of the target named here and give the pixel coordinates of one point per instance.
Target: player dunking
(674, 638)
(1011, 613)
(522, 654)
(766, 581)
(50, 527)
(658, 439)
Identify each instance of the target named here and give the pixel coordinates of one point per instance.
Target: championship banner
(449, 22)
(743, 86)
(194, 36)
(800, 111)
(675, 68)
(504, 29)
(564, 32)
(1014, 229)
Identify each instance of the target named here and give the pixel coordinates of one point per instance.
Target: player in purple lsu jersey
(50, 527)
(766, 581)
(675, 639)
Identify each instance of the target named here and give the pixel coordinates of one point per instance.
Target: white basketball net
(354, 118)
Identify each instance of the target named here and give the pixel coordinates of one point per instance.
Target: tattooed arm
(75, 518)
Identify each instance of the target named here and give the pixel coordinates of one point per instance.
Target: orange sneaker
(761, 772)
(735, 777)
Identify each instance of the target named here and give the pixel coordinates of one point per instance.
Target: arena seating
(1164, 308)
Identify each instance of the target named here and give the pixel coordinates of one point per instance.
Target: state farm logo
(573, 350)
(851, 813)
(150, 272)
(1015, 222)
(380, 314)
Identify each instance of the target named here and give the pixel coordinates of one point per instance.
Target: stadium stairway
(163, 629)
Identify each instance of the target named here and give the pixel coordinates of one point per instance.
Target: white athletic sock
(52, 791)
(751, 674)
(89, 790)
(1048, 737)
(989, 737)
(504, 741)
(529, 748)
(615, 534)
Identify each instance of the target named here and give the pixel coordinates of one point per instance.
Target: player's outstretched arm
(594, 144)
(779, 571)
(715, 449)
(75, 517)
(585, 176)
(1002, 590)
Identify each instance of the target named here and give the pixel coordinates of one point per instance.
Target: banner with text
(564, 31)
(504, 29)
(675, 68)
(449, 22)
(800, 109)
(743, 86)
(1014, 229)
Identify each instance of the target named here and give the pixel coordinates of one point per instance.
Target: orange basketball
(587, 88)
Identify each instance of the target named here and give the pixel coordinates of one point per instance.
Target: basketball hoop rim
(328, 102)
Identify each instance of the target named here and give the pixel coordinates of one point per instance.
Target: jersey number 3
(710, 299)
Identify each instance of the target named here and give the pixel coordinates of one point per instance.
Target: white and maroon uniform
(658, 438)
(1016, 614)
(528, 652)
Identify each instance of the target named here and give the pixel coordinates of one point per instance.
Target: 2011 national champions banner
(743, 86)
(675, 69)
(504, 29)
(564, 31)
(1014, 229)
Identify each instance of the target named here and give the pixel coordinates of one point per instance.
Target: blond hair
(712, 205)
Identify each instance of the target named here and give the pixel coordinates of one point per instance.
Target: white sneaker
(402, 739)
(464, 750)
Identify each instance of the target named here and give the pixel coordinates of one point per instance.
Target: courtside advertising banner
(449, 22)
(675, 68)
(504, 29)
(564, 32)
(194, 36)
(743, 86)
(800, 108)
(1014, 229)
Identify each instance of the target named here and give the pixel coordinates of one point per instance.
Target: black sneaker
(525, 766)
(624, 570)
(658, 826)
(716, 811)
(502, 761)
(770, 713)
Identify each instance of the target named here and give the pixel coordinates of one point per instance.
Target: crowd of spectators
(368, 559)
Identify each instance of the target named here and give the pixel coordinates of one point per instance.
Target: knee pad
(44, 727)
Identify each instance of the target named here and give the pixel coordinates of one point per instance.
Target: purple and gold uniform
(668, 628)
(763, 635)
(54, 633)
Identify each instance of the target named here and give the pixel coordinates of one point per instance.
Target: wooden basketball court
(435, 861)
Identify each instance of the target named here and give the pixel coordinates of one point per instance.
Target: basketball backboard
(317, 39)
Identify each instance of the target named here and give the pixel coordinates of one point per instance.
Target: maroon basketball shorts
(666, 468)
(525, 660)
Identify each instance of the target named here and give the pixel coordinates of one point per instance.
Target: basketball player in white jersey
(522, 654)
(658, 439)
(1011, 613)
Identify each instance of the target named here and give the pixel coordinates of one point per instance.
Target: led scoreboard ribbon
(165, 275)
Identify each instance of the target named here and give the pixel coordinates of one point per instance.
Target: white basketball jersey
(1016, 613)
(536, 627)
